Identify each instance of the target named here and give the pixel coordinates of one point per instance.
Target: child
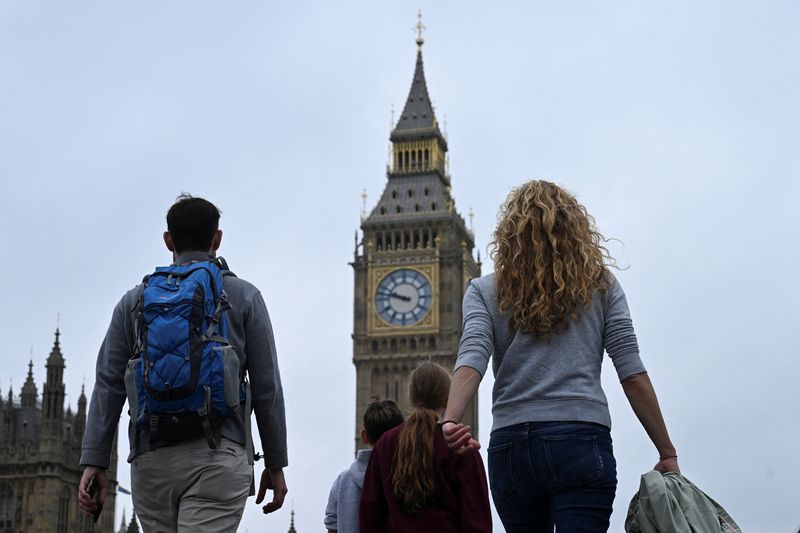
(414, 482)
(342, 511)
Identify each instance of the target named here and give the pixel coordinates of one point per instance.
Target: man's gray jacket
(671, 503)
(250, 333)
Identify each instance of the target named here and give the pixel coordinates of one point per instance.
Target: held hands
(86, 503)
(274, 481)
(458, 437)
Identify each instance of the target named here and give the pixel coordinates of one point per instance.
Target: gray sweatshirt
(551, 380)
(250, 333)
(341, 514)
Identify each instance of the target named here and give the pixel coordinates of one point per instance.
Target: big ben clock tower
(413, 262)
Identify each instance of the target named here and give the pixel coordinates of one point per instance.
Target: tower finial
(420, 27)
(471, 218)
(363, 204)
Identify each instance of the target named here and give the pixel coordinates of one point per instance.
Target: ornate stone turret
(123, 527)
(53, 401)
(29, 394)
(291, 524)
(53, 395)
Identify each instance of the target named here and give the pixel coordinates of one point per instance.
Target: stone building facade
(413, 262)
(40, 445)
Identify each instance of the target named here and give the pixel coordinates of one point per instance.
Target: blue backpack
(184, 375)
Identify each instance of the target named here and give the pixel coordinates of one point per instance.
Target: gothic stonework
(412, 264)
(40, 446)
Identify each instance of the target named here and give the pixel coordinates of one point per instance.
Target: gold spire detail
(420, 27)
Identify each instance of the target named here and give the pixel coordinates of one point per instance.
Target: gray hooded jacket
(341, 514)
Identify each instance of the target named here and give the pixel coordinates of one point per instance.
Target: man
(189, 486)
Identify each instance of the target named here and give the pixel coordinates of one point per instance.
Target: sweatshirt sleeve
(477, 339)
(265, 381)
(619, 338)
(473, 497)
(331, 517)
(108, 395)
(373, 510)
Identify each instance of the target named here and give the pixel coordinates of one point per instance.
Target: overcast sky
(675, 122)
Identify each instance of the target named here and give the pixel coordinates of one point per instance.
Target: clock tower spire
(415, 262)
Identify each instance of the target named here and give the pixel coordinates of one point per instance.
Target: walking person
(414, 483)
(192, 349)
(545, 317)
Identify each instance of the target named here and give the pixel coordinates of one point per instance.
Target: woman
(414, 482)
(547, 314)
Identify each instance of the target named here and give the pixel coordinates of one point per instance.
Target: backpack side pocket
(131, 370)
(231, 376)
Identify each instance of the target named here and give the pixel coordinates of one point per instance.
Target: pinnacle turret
(133, 527)
(53, 392)
(55, 354)
(29, 394)
(123, 528)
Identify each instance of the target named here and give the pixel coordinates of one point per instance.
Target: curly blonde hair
(549, 258)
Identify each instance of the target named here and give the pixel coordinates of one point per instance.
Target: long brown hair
(412, 472)
(549, 258)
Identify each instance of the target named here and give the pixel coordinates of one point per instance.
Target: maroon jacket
(462, 496)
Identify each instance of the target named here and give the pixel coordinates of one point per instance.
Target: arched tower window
(62, 521)
(6, 507)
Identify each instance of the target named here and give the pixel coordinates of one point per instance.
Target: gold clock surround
(429, 323)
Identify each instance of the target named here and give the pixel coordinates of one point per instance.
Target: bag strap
(248, 430)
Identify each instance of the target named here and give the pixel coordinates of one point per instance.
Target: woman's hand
(668, 464)
(458, 437)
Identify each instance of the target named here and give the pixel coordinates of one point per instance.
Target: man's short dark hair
(379, 417)
(192, 223)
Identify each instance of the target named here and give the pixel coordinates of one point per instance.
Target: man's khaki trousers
(191, 488)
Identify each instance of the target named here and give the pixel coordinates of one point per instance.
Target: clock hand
(395, 295)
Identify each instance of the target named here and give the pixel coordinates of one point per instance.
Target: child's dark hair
(191, 223)
(413, 469)
(379, 417)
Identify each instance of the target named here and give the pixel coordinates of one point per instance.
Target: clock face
(403, 297)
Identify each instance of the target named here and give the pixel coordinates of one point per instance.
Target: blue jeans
(545, 474)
